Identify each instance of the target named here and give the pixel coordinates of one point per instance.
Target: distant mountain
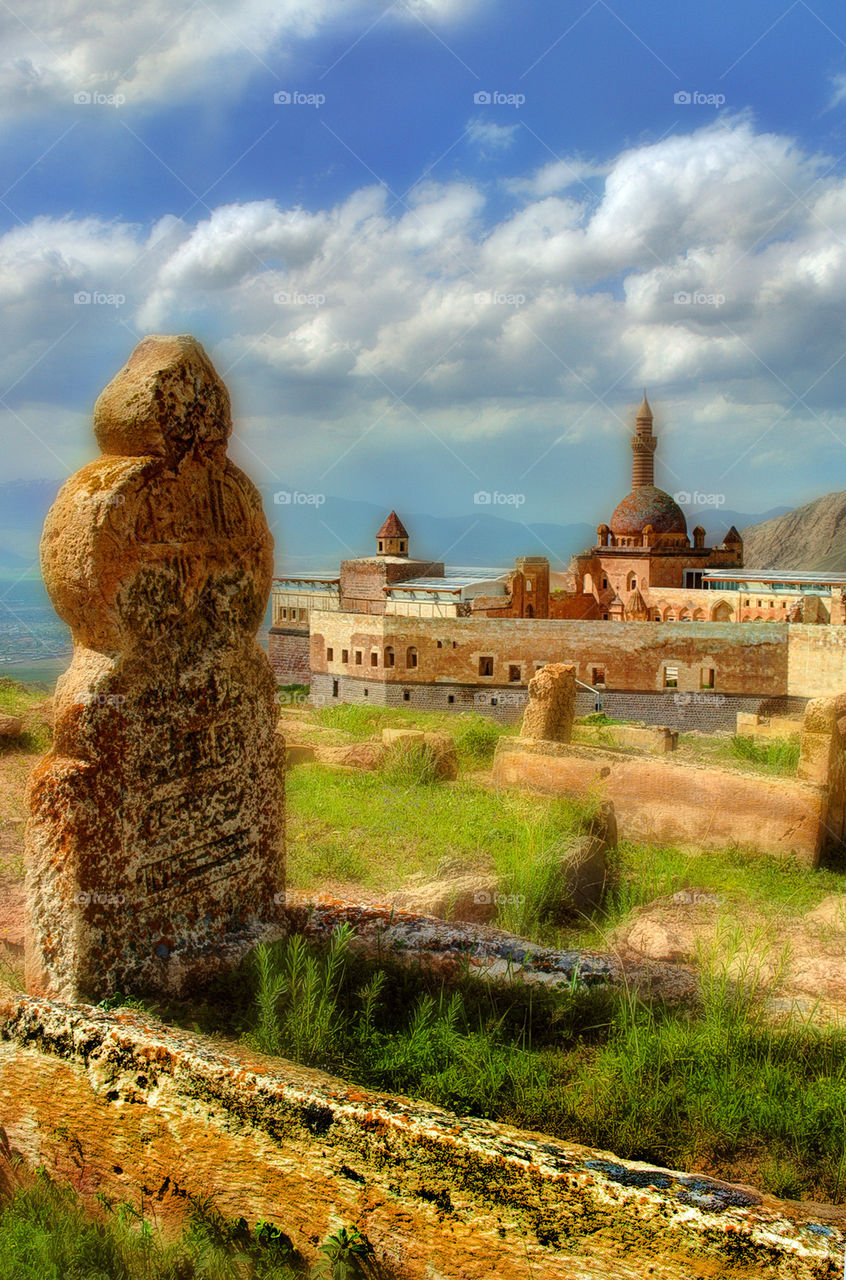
(716, 521)
(313, 538)
(812, 537)
(316, 538)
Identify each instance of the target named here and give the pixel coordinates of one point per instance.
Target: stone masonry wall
(748, 660)
(288, 651)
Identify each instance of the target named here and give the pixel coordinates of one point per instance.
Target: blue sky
(415, 295)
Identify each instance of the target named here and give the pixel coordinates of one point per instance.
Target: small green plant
(348, 1255)
(297, 998)
(46, 1233)
(410, 764)
(476, 738)
(778, 756)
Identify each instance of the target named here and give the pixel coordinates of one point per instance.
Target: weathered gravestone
(154, 853)
(552, 702)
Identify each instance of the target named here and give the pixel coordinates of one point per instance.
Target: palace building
(392, 629)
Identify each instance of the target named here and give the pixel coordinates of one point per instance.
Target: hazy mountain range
(316, 538)
(812, 537)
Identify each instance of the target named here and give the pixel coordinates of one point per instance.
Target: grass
(717, 1088)
(777, 756)
(47, 1234)
(337, 820)
(475, 736)
(18, 699)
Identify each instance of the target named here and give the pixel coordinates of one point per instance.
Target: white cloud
(152, 50)
(712, 267)
(490, 137)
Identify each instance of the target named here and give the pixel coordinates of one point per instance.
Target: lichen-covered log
(120, 1104)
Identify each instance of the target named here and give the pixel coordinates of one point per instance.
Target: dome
(644, 506)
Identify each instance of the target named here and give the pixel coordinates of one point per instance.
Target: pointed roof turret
(393, 528)
(644, 413)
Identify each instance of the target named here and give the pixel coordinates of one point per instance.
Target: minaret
(643, 448)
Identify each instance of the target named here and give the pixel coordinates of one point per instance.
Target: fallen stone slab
(119, 1105)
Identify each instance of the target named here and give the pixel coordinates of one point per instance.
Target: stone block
(552, 702)
(11, 726)
(299, 753)
(390, 737)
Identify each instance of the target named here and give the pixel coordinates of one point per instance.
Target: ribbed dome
(647, 505)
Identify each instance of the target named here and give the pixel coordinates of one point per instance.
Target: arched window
(631, 582)
(389, 656)
(411, 656)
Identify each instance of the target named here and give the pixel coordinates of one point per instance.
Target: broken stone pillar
(552, 701)
(154, 853)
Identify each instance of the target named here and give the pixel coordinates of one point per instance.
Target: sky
(438, 248)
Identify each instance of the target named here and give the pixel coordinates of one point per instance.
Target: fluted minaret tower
(643, 448)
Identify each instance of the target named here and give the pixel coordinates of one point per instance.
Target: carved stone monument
(154, 846)
(552, 701)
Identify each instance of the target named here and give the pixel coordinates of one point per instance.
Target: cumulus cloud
(153, 50)
(711, 267)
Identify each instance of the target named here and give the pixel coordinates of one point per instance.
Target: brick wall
(288, 653)
(752, 660)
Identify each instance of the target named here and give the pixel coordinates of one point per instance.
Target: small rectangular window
(671, 677)
(374, 658)
(450, 697)
(513, 674)
(358, 657)
(597, 675)
(486, 666)
(406, 695)
(345, 655)
(708, 674)
(330, 654)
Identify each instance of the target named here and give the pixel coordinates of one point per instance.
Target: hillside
(812, 537)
